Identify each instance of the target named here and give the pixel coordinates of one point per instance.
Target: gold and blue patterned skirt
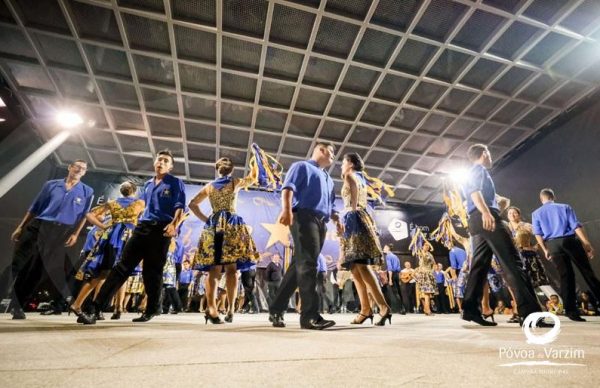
(360, 242)
(224, 240)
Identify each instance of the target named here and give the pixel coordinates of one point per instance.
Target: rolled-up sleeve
(295, 176)
(179, 202)
(536, 225)
(475, 181)
(572, 218)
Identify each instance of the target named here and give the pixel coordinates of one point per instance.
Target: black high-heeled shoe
(387, 316)
(356, 321)
(72, 310)
(116, 315)
(229, 317)
(486, 316)
(214, 320)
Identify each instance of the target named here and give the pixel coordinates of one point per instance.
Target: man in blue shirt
(164, 196)
(392, 263)
(457, 258)
(489, 236)
(307, 204)
(441, 299)
(248, 278)
(186, 277)
(564, 242)
(51, 224)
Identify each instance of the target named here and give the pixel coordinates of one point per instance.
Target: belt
(557, 238)
(154, 222)
(54, 223)
(319, 216)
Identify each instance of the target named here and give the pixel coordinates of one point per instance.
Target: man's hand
(16, 235)
(589, 250)
(71, 240)
(285, 217)
(170, 230)
(489, 223)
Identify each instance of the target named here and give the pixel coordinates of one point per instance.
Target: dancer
(564, 242)
(359, 244)
(52, 223)
(426, 287)
(106, 254)
(524, 240)
(490, 236)
(225, 242)
(307, 204)
(164, 196)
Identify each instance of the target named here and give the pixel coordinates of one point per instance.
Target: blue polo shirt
(163, 199)
(457, 257)
(439, 276)
(57, 204)
(186, 276)
(554, 220)
(480, 180)
(392, 262)
(321, 264)
(312, 186)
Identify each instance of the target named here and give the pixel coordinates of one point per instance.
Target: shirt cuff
(290, 186)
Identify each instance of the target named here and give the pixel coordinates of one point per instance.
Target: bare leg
(426, 304)
(373, 288)
(361, 290)
(231, 284)
(513, 302)
(211, 290)
(85, 291)
(486, 309)
(459, 303)
(119, 299)
(126, 301)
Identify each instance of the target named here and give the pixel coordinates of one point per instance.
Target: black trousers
(441, 299)
(409, 298)
(500, 243)
(183, 291)
(146, 243)
(308, 233)
(272, 288)
(565, 252)
(248, 282)
(39, 254)
(171, 299)
(396, 290)
(321, 292)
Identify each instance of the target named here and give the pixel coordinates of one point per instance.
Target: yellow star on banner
(278, 233)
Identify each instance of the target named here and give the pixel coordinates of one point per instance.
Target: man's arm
(16, 235)
(489, 223)
(286, 217)
(171, 228)
(542, 244)
(584, 240)
(73, 237)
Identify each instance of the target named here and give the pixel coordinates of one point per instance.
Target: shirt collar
(314, 163)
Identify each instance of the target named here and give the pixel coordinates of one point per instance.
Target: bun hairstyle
(224, 166)
(515, 209)
(356, 161)
(127, 188)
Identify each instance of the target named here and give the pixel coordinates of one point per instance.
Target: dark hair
(325, 144)
(548, 193)
(514, 208)
(78, 160)
(475, 151)
(168, 153)
(224, 166)
(127, 188)
(356, 161)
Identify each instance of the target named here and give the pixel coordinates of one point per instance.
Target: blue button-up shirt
(186, 276)
(480, 180)
(554, 220)
(312, 186)
(439, 276)
(457, 257)
(321, 264)
(392, 262)
(57, 204)
(164, 199)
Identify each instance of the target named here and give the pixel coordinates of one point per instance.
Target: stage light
(67, 119)
(459, 175)
(2, 120)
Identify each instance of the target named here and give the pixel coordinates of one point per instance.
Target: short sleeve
(180, 195)
(536, 224)
(475, 181)
(295, 177)
(39, 201)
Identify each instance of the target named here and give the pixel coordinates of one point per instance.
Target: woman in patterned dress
(360, 245)
(124, 213)
(225, 242)
(425, 280)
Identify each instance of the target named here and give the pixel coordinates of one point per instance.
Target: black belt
(558, 238)
(319, 216)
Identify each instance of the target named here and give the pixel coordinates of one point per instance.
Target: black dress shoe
(51, 312)
(276, 320)
(99, 315)
(540, 323)
(18, 314)
(573, 317)
(145, 317)
(477, 318)
(116, 315)
(316, 324)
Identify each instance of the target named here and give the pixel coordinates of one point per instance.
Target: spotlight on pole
(68, 119)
